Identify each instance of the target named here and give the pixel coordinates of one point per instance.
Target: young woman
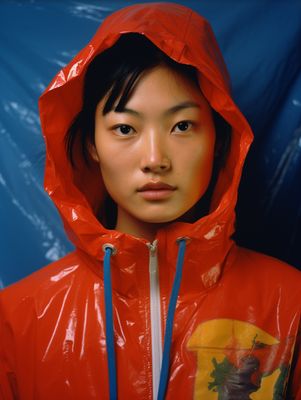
(145, 149)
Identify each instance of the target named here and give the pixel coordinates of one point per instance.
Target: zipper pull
(153, 247)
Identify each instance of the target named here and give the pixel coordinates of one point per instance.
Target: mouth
(156, 191)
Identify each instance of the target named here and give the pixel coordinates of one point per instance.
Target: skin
(165, 135)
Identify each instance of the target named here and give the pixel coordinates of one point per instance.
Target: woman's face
(156, 155)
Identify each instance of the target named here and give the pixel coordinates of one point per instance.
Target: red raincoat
(235, 332)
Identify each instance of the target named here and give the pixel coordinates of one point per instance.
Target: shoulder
(265, 270)
(25, 291)
(267, 263)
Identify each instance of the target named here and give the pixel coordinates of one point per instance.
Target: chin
(163, 219)
(188, 216)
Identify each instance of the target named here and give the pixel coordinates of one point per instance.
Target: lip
(156, 191)
(156, 186)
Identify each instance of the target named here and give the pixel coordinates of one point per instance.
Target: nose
(154, 154)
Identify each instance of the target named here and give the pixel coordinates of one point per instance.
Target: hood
(79, 193)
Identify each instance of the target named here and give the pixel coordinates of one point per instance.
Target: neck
(137, 228)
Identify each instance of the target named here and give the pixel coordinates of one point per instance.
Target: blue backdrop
(261, 42)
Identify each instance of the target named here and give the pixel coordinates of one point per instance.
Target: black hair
(113, 74)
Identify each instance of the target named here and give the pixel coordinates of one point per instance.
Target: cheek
(198, 166)
(108, 157)
(110, 172)
(115, 173)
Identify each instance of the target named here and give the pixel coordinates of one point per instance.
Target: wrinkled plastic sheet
(261, 45)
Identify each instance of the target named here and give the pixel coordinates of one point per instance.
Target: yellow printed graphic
(267, 387)
(238, 358)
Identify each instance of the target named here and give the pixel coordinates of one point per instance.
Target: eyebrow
(172, 110)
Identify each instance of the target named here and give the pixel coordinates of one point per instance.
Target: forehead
(162, 88)
(167, 82)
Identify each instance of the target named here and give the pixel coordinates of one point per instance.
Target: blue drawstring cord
(169, 322)
(109, 323)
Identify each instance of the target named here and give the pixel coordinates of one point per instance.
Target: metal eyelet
(186, 238)
(109, 246)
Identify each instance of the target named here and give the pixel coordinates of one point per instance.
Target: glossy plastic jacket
(237, 318)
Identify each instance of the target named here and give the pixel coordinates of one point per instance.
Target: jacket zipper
(155, 312)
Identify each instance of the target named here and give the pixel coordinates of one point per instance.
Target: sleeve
(8, 387)
(294, 385)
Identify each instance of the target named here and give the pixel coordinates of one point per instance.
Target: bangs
(122, 90)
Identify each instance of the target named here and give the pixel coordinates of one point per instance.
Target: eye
(124, 130)
(182, 126)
